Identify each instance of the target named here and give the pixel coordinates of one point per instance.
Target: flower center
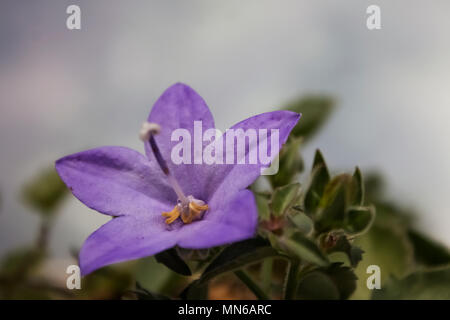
(189, 208)
(189, 212)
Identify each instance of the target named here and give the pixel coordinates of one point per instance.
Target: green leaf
(387, 246)
(291, 280)
(251, 284)
(342, 244)
(344, 279)
(172, 260)
(283, 198)
(237, 256)
(262, 203)
(421, 285)
(359, 219)
(315, 110)
(301, 221)
(196, 290)
(45, 192)
(317, 285)
(266, 275)
(319, 179)
(333, 204)
(331, 283)
(290, 163)
(355, 255)
(304, 249)
(358, 188)
(156, 277)
(428, 252)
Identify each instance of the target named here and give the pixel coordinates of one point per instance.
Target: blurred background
(63, 91)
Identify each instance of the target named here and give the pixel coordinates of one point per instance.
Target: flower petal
(125, 238)
(116, 181)
(177, 108)
(225, 180)
(238, 221)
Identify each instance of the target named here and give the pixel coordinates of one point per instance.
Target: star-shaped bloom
(157, 204)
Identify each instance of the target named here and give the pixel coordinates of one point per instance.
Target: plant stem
(291, 282)
(248, 281)
(266, 274)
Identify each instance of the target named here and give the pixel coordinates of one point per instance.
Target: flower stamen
(188, 207)
(172, 215)
(194, 211)
(147, 134)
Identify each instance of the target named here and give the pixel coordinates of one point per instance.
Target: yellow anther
(197, 207)
(188, 213)
(172, 215)
(187, 218)
(195, 210)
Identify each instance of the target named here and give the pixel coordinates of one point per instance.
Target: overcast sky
(64, 91)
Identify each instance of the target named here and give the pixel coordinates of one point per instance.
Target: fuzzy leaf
(317, 285)
(354, 253)
(333, 204)
(302, 222)
(290, 163)
(172, 260)
(344, 278)
(358, 188)
(283, 198)
(262, 203)
(319, 179)
(237, 256)
(304, 249)
(359, 219)
(331, 283)
(196, 290)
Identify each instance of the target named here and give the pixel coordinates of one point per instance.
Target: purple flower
(192, 206)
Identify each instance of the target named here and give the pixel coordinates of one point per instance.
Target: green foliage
(156, 278)
(335, 208)
(358, 188)
(290, 163)
(304, 249)
(319, 179)
(262, 201)
(420, 285)
(45, 192)
(340, 243)
(196, 290)
(428, 252)
(283, 198)
(395, 246)
(359, 219)
(237, 256)
(331, 283)
(315, 111)
(301, 222)
(172, 260)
